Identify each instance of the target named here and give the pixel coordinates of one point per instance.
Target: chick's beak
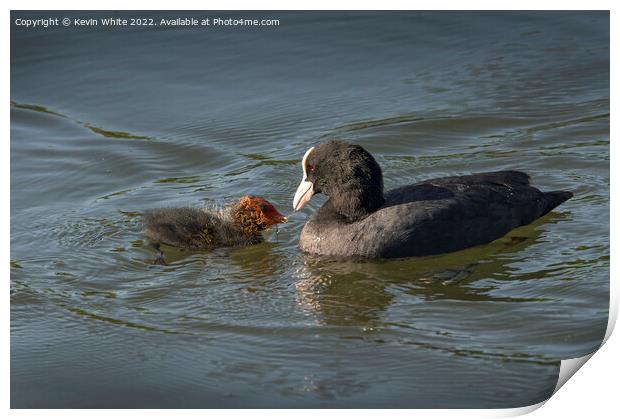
(303, 194)
(274, 216)
(279, 218)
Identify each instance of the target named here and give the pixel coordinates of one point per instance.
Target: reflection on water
(355, 293)
(342, 299)
(103, 127)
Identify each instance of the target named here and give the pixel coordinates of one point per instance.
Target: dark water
(107, 122)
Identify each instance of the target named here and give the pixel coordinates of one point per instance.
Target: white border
(313, 5)
(592, 392)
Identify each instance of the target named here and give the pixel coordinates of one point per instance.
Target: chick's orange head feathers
(263, 207)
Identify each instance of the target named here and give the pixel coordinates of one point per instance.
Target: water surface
(106, 123)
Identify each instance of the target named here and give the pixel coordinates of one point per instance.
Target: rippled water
(106, 123)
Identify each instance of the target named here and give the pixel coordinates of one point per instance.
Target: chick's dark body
(239, 224)
(194, 228)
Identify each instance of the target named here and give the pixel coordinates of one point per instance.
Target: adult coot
(241, 223)
(435, 216)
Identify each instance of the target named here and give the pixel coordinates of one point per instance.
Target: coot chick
(238, 224)
(435, 216)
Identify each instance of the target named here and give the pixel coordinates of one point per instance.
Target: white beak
(305, 189)
(303, 194)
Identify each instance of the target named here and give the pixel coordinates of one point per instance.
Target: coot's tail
(554, 198)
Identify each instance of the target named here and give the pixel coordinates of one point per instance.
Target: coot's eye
(311, 168)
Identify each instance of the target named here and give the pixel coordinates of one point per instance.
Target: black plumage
(430, 217)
